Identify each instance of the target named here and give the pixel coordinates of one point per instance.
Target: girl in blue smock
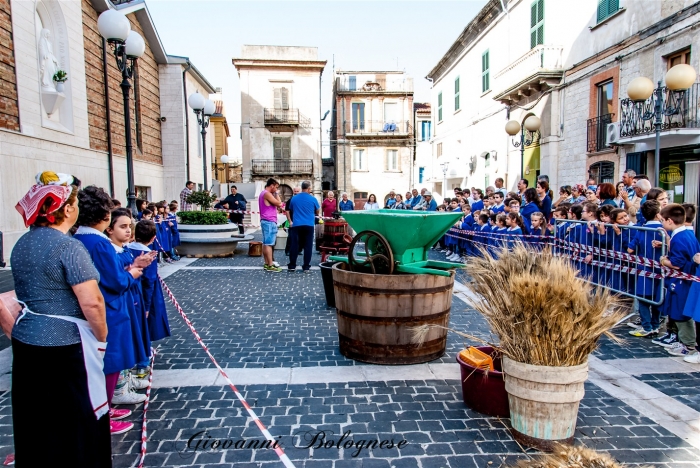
(467, 225)
(538, 231)
(119, 232)
(115, 282)
(162, 231)
(515, 229)
(174, 232)
(153, 299)
(621, 238)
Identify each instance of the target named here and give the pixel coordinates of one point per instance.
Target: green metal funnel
(409, 233)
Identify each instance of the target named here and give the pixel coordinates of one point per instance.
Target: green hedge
(202, 217)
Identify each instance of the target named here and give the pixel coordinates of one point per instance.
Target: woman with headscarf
(59, 338)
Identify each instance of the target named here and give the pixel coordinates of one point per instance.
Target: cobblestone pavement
(683, 387)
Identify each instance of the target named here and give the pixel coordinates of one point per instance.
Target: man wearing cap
(429, 204)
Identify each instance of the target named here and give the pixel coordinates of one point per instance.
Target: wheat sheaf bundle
(566, 456)
(541, 312)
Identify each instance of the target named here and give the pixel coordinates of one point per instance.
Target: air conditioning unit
(612, 134)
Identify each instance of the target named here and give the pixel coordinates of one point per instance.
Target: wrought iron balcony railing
(681, 110)
(378, 127)
(283, 117)
(282, 166)
(369, 84)
(597, 128)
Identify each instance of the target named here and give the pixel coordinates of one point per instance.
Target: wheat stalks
(540, 310)
(567, 456)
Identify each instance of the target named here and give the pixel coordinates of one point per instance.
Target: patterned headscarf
(49, 185)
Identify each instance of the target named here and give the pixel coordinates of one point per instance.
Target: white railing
(543, 58)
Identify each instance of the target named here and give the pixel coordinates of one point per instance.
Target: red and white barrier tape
(144, 432)
(278, 450)
(575, 248)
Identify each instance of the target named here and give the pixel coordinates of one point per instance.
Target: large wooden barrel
(375, 314)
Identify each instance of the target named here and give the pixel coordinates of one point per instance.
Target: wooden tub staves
(375, 314)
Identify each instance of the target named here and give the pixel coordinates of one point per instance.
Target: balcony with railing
(378, 128)
(271, 167)
(537, 70)
(681, 115)
(597, 128)
(371, 85)
(290, 117)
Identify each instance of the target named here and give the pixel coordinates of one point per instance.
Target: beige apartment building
(281, 115)
(372, 133)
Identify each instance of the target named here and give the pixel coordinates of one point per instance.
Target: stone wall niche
(53, 55)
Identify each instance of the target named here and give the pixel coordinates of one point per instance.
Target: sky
(354, 35)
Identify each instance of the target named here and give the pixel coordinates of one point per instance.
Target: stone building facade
(372, 133)
(79, 128)
(281, 111)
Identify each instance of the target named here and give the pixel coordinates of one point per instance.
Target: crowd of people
(86, 277)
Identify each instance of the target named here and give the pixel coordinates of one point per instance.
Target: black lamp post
(203, 109)
(678, 80)
(529, 133)
(128, 46)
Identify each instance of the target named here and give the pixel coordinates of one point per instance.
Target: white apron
(93, 354)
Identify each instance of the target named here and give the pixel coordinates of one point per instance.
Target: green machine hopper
(398, 240)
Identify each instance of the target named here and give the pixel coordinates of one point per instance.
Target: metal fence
(597, 128)
(624, 259)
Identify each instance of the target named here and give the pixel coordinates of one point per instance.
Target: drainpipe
(187, 123)
(110, 163)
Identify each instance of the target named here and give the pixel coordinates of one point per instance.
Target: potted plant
(60, 77)
(205, 233)
(547, 320)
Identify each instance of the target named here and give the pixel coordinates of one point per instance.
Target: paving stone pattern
(253, 318)
(682, 387)
(429, 415)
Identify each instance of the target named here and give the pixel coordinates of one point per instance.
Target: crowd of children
(124, 251)
(164, 215)
(602, 243)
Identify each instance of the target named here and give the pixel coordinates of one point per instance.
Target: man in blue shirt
(416, 199)
(430, 204)
(345, 204)
(391, 201)
(304, 209)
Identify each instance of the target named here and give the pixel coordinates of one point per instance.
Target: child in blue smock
(515, 229)
(681, 252)
(648, 289)
(538, 231)
(174, 232)
(153, 299)
(119, 232)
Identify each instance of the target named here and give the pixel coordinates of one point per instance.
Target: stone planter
(219, 240)
(281, 241)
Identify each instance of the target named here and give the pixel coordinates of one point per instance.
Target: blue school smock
(537, 239)
(514, 233)
(683, 247)
(692, 303)
(477, 205)
(139, 323)
(162, 234)
(620, 243)
(114, 285)
(525, 212)
(546, 207)
(153, 298)
(174, 232)
(642, 246)
(468, 225)
(600, 274)
(580, 235)
(498, 209)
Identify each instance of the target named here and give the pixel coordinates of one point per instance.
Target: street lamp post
(528, 134)
(678, 80)
(444, 166)
(128, 46)
(225, 159)
(203, 109)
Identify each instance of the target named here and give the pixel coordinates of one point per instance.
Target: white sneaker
(275, 264)
(128, 398)
(692, 358)
(453, 257)
(679, 349)
(138, 384)
(449, 253)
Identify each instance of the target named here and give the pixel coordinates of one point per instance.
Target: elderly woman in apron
(58, 340)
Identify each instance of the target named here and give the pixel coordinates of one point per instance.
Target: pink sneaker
(115, 414)
(120, 427)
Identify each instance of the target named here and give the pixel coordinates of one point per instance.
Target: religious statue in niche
(47, 60)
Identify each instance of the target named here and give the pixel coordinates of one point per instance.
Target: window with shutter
(456, 94)
(359, 162)
(392, 160)
(282, 147)
(536, 23)
(439, 107)
(607, 8)
(352, 83)
(281, 96)
(485, 82)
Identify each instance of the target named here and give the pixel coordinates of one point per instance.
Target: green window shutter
(439, 107)
(485, 82)
(457, 94)
(607, 8)
(536, 23)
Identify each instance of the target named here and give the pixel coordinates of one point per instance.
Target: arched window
(602, 172)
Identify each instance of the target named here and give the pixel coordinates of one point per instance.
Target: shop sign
(670, 175)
